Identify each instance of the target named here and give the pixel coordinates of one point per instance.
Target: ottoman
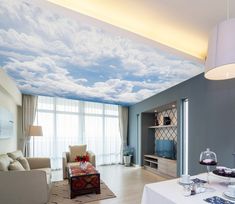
(83, 180)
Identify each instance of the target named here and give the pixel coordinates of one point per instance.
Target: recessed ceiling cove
(49, 50)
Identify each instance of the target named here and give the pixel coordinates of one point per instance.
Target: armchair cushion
(16, 166)
(16, 154)
(24, 162)
(4, 162)
(77, 150)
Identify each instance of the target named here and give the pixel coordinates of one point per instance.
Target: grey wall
(211, 119)
(148, 136)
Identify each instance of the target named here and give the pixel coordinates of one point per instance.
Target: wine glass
(208, 158)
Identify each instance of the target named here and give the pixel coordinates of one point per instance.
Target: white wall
(10, 97)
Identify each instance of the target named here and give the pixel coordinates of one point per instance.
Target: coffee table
(83, 181)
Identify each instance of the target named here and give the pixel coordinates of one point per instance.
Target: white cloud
(20, 41)
(49, 78)
(41, 45)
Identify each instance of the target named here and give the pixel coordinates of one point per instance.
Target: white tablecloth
(170, 192)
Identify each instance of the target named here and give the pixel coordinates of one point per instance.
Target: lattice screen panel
(167, 132)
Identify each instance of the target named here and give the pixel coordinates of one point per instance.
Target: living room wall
(10, 99)
(211, 119)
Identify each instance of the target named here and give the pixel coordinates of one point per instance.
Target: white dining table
(171, 192)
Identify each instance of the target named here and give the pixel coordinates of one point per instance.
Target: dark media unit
(160, 165)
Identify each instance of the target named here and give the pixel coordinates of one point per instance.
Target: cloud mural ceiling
(50, 53)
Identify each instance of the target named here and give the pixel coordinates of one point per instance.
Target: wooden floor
(126, 182)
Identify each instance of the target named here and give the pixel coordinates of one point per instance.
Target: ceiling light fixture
(220, 62)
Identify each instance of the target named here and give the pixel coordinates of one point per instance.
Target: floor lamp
(35, 131)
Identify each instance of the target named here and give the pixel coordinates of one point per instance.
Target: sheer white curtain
(69, 122)
(102, 134)
(123, 125)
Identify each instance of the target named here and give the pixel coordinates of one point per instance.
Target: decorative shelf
(162, 126)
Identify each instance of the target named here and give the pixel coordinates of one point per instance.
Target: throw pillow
(4, 162)
(16, 166)
(16, 154)
(77, 150)
(24, 162)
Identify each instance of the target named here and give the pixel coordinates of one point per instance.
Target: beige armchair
(67, 162)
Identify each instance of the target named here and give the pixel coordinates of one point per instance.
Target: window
(70, 122)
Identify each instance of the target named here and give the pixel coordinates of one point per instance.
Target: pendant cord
(228, 7)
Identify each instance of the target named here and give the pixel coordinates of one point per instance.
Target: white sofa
(31, 186)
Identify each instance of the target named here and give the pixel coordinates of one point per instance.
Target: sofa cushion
(16, 166)
(4, 162)
(77, 150)
(16, 154)
(47, 170)
(48, 173)
(24, 162)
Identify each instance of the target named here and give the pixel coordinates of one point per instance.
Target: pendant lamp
(220, 62)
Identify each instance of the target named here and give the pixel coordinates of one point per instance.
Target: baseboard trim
(136, 165)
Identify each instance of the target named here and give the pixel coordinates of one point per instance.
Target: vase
(127, 160)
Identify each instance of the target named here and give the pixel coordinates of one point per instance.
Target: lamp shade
(35, 130)
(220, 62)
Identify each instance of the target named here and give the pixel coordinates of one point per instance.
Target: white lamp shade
(220, 62)
(35, 130)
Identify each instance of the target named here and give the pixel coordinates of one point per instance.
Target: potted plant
(127, 154)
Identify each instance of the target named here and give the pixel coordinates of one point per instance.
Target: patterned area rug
(60, 194)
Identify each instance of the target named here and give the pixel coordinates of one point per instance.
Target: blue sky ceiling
(49, 50)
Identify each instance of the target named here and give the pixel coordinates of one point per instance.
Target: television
(165, 148)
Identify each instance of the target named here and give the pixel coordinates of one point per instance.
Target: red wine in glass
(208, 163)
(208, 158)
